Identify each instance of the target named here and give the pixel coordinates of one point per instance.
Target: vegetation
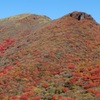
(41, 59)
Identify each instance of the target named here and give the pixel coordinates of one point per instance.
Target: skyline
(51, 8)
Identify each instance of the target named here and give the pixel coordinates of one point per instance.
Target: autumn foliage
(41, 59)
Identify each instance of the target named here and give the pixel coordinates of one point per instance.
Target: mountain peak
(25, 16)
(81, 15)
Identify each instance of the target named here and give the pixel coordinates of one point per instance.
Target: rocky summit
(44, 59)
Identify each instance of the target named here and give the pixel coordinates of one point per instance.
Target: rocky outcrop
(80, 16)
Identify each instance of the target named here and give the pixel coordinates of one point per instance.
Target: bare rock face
(80, 16)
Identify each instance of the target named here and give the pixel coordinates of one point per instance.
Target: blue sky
(51, 8)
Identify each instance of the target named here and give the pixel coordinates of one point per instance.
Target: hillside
(44, 59)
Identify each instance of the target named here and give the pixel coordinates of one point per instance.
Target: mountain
(44, 59)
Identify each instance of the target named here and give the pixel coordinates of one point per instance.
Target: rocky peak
(80, 16)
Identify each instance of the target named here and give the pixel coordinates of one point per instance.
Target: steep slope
(43, 59)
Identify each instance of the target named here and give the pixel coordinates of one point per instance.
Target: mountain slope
(45, 59)
(18, 29)
(14, 25)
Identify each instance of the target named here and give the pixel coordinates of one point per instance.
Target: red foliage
(97, 93)
(72, 67)
(65, 90)
(45, 85)
(73, 80)
(24, 97)
(54, 97)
